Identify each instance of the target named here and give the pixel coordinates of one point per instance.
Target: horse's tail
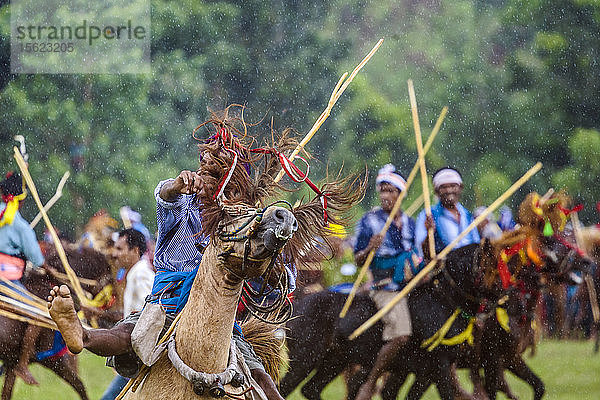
(267, 346)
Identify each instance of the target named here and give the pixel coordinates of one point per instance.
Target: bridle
(245, 233)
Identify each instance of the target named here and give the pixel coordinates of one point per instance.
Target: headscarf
(446, 175)
(388, 174)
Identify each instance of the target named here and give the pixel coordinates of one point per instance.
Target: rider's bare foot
(62, 311)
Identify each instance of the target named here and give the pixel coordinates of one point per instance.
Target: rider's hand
(429, 223)
(375, 241)
(188, 182)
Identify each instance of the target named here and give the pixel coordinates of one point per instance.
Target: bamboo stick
(410, 210)
(40, 302)
(53, 200)
(417, 126)
(21, 318)
(395, 209)
(413, 282)
(61, 252)
(23, 299)
(65, 277)
(24, 309)
(335, 95)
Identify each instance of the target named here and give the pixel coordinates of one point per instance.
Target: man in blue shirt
(177, 256)
(17, 245)
(393, 265)
(448, 217)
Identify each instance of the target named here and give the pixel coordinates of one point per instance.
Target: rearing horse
(248, 233)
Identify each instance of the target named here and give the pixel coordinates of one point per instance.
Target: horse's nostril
(280, 215)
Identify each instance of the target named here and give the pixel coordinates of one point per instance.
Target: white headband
(446, 175)
(387, 174)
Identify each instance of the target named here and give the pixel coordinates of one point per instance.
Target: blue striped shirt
(179, 225)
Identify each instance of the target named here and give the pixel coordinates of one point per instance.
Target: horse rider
(18, 244)
(177, 255)
(128, 254)
(394, 263)
(449, 218)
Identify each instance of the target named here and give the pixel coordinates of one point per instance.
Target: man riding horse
(448, 217)
(179, 251)
(17, 245)
(394, 262)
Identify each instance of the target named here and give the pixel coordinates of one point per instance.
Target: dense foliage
(521, 79)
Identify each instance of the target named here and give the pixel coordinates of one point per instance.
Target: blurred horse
(86, 263)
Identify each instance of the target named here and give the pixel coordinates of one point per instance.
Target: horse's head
(538, 251)
(254, 231)
(564, 261)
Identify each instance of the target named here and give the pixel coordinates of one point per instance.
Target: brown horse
(242, 246)
(86, 263)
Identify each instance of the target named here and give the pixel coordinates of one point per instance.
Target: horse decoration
(251, 236)
(474, 286)
(98, 232)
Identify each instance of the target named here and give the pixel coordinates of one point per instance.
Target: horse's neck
(204, 332)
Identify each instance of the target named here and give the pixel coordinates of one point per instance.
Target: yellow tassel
(502, 318)
(103, 297)
(466, 335)
(11, 209)
(439, 337)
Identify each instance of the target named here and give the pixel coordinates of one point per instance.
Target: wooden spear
(61, 252)
(392, 215)
(53, 200)
(413, 282)
(335, 95)
(417, 125)
(410, 210)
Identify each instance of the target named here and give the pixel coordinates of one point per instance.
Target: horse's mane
(253, 183)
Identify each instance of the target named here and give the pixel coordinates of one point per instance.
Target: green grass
(569, 369)
(93, 373)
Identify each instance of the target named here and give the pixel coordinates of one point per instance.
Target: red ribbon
(291, 170)
(567, 211)
(503, 270)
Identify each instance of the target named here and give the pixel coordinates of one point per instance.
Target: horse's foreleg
(66, 368)
(330, 367)
(394, 383)
(419, 387)
(478, 389)
(354, 381)
(9, 382)
(521, 370)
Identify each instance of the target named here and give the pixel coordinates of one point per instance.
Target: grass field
(569, 369)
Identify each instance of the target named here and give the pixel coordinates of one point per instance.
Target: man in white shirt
(128, 253)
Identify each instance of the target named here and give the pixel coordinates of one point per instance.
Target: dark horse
(495, 349)
(467, 281)
(318, 339)
(86, 263)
